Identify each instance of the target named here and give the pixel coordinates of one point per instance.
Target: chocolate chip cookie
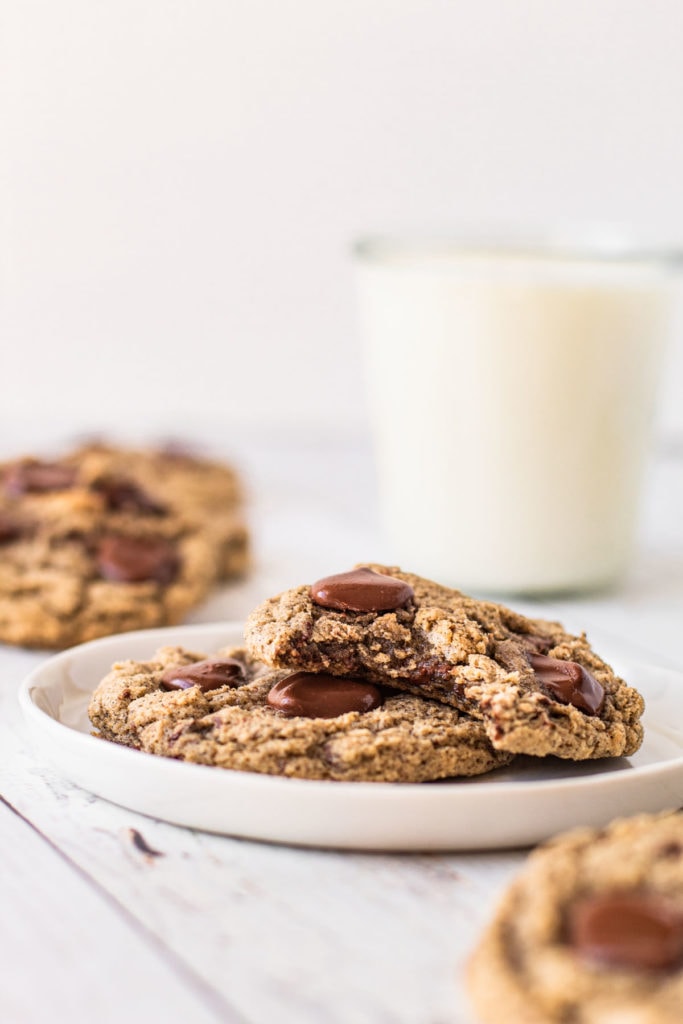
(538, 689)
(105, 539)
(591, 932)
(231, 711)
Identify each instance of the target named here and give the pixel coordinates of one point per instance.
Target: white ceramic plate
(516, 806)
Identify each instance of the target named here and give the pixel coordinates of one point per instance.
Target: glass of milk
(512, 392)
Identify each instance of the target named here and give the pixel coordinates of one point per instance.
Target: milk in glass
(512, 395)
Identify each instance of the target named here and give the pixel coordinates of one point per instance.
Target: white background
(181, 180)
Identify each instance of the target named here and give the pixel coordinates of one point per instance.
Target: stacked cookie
(535, 688)
(375, 675)
(107, 539)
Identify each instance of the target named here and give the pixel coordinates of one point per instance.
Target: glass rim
(573, 247)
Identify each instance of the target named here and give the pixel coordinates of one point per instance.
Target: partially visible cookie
(538, 689)
(60, 592)
(106, 539)
(232, 712)
(591, 932)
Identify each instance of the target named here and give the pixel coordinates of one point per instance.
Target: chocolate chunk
(39, 478)
(122, 495)
(132, 559)
(10, 528)
(308, 695)
(361, 590)
(630, 930)
(207, 675)
(569, 683)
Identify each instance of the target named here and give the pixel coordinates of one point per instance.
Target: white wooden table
(109, 916)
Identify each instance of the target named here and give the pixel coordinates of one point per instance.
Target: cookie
(591, 932)
(231, 711)
(106, 540)
(538, 689)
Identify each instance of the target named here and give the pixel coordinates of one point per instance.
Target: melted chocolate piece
(568, 682)
(361, 590)
(10, 529)
(39, 478)
(309, 695)
(207, 675)
(630, 930)
(122, 495)
(132, 559)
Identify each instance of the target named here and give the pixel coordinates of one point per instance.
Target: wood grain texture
(69, 954)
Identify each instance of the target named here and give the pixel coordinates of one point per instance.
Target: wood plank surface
(70, 954)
